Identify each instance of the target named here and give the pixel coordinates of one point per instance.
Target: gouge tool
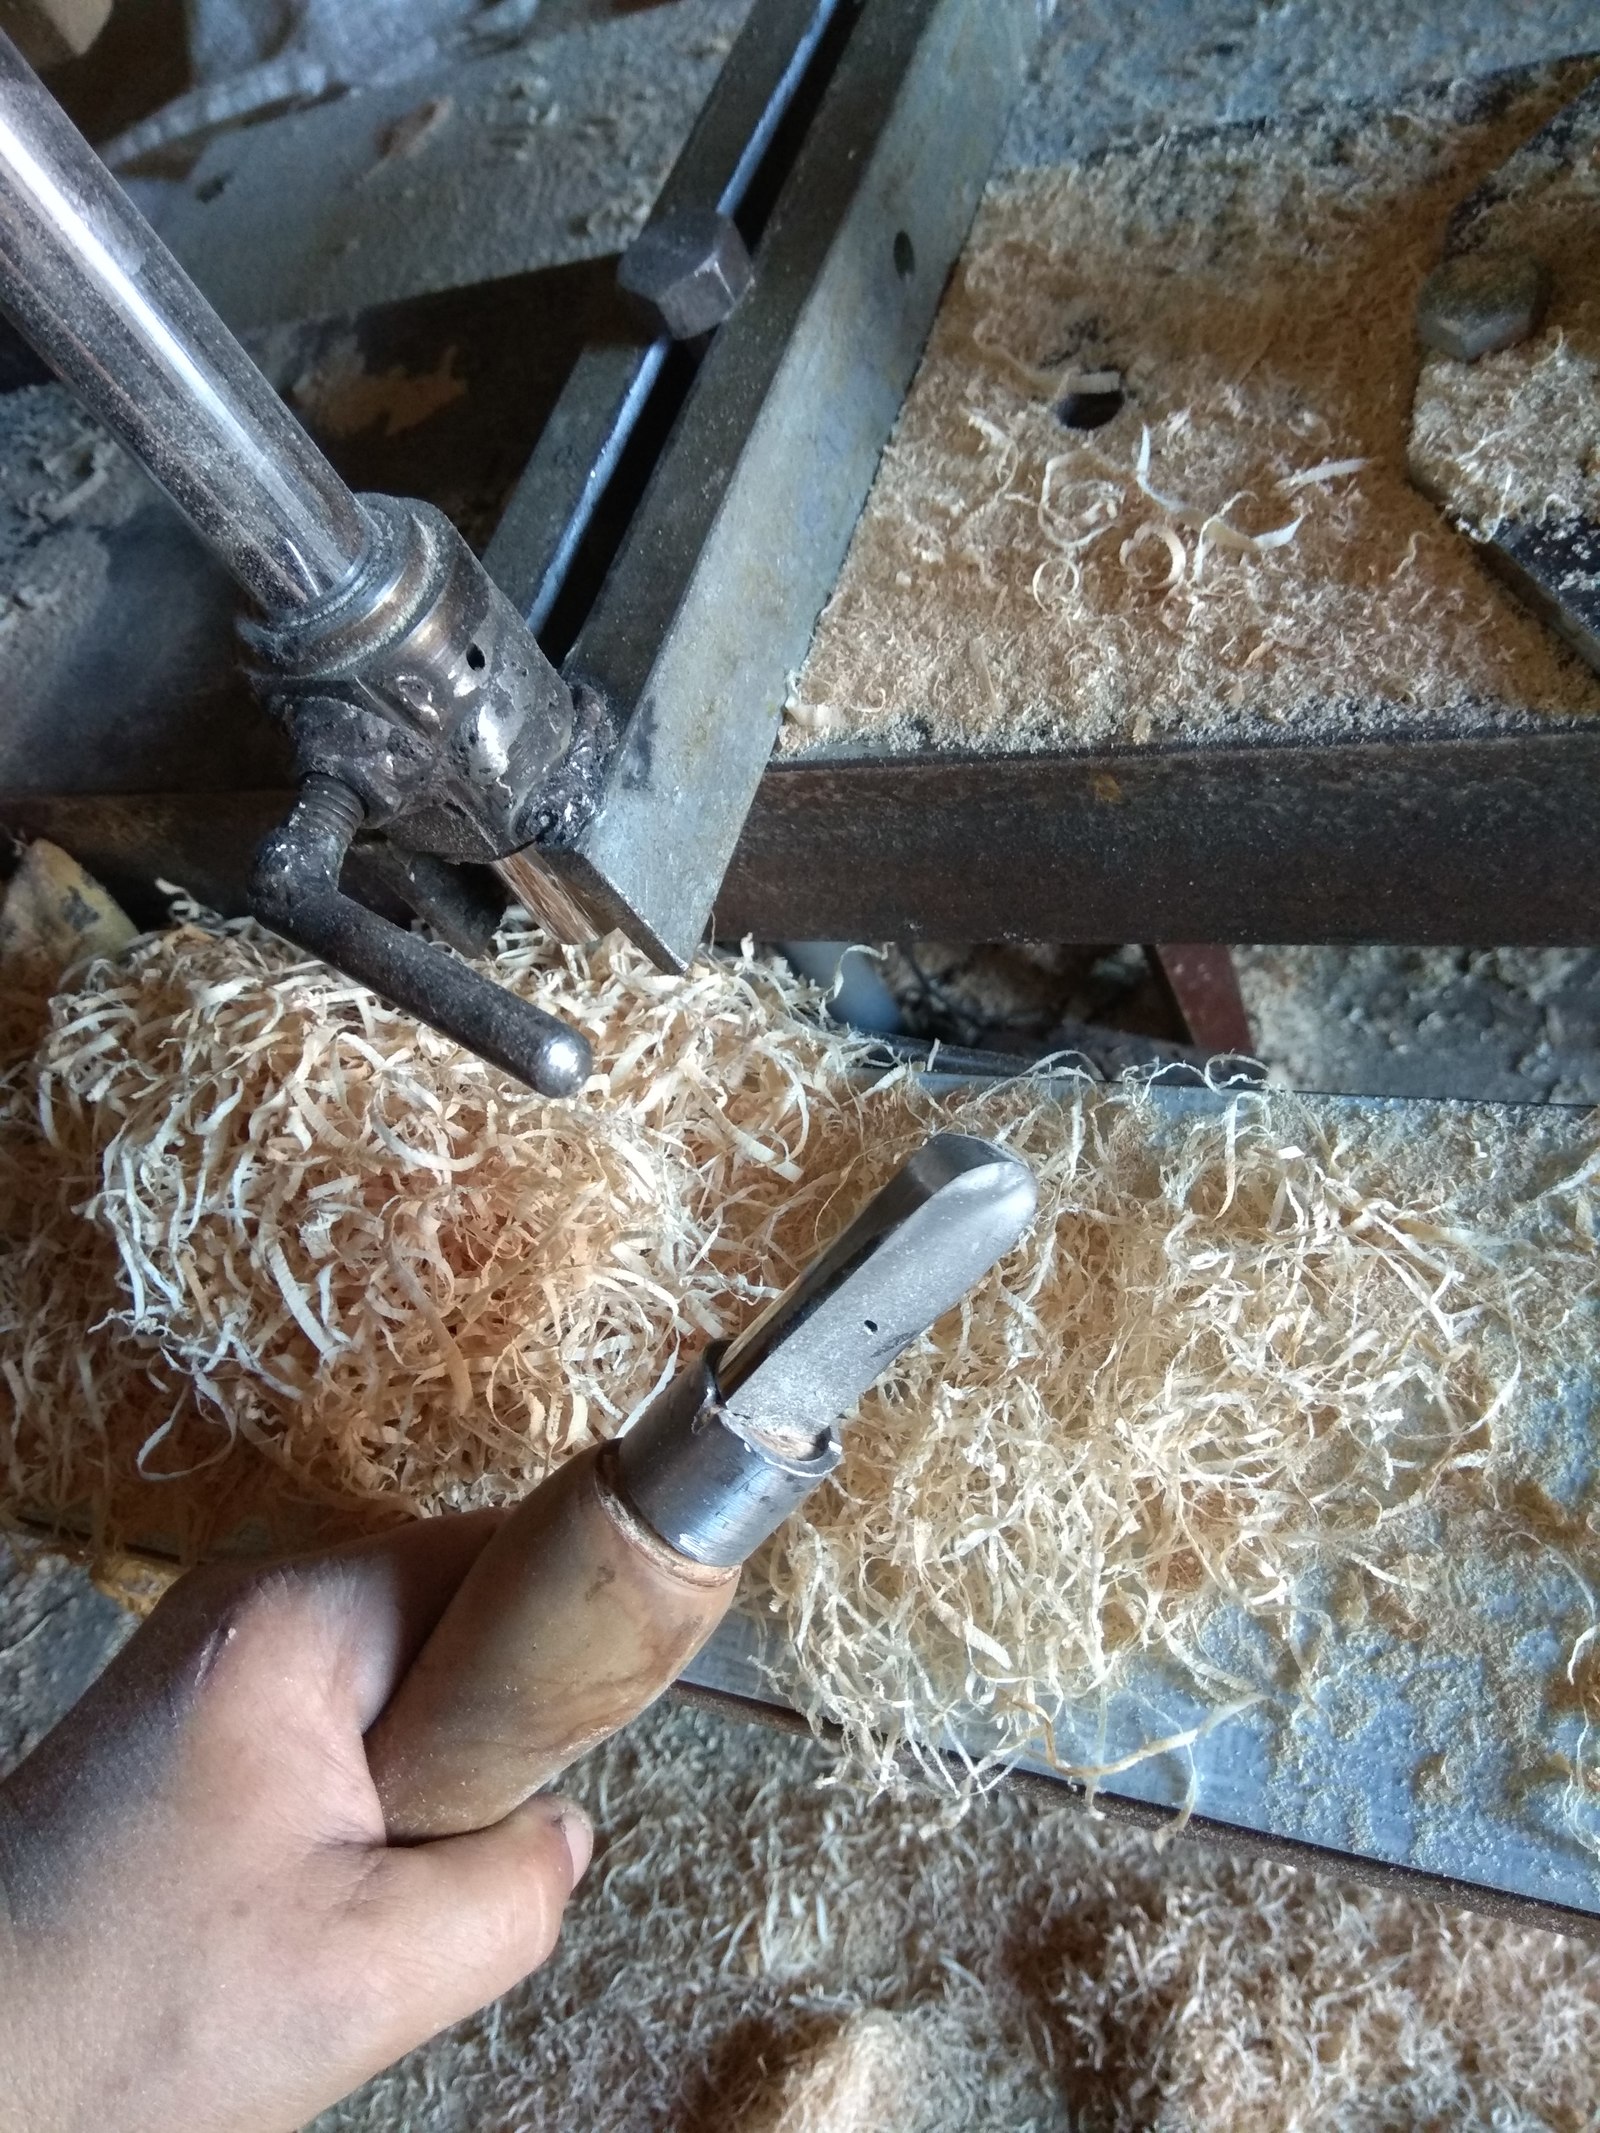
(603, 1583)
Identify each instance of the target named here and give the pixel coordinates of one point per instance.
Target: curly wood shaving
(1164, 537)
(266, 1237)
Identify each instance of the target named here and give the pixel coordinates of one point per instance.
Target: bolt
(330, 805)
(1478, 302)
(692, 266)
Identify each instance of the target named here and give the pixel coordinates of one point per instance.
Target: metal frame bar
(739, 536)
(1429, 842)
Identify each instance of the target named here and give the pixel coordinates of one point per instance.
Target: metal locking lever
(419, 703)
(603, 1584)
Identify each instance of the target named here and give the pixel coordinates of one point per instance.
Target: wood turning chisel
(603, 1583)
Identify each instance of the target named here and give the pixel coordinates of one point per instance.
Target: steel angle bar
(1437, 839)
(1554, 563)
(738, 538)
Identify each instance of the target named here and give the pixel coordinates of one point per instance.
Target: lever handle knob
(295, 890)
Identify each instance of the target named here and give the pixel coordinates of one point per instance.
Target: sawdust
(1501, 1025)
(1239, 550)
(1516, 435)
(870, 2076)
(261, 1225)
(1055, 1974)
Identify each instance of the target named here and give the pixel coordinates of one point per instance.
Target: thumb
(461, 1920)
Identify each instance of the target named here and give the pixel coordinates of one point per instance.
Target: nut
(692, 266)
(1480, 301)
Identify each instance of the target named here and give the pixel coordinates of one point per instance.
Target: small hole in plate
(475, 658)
(871, 1324)
(1090, 410)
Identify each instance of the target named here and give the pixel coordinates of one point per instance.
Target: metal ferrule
(713, 1486)
(418, 685)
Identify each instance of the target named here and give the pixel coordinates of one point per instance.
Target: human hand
(201, 1925)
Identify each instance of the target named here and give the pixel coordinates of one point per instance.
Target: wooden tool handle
(573, 1618)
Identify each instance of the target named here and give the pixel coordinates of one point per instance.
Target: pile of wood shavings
(1513, 436)
(262, 1225)
(1056, 1974)
(1239, 550)
(342, 1242)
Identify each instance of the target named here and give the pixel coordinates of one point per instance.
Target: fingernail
(578, 1831)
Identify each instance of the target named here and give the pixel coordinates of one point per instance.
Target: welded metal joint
(693, 267)
(707, 1481)
(295, 891)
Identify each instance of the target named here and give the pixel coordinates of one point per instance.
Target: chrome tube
(91, 285)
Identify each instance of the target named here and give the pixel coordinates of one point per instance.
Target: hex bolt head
(692, 266)
(1478, 302)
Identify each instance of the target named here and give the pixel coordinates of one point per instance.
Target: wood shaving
(870, 2076)
(268, 1237)
(1253, 289)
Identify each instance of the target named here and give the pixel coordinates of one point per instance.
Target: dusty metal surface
(1107, 73)
(1555, 566)
(1416, 840)
(541, 156)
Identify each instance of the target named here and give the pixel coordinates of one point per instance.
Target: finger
(350, 1620)
(397, 1588)
(358, 1616)
(451, 1925)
